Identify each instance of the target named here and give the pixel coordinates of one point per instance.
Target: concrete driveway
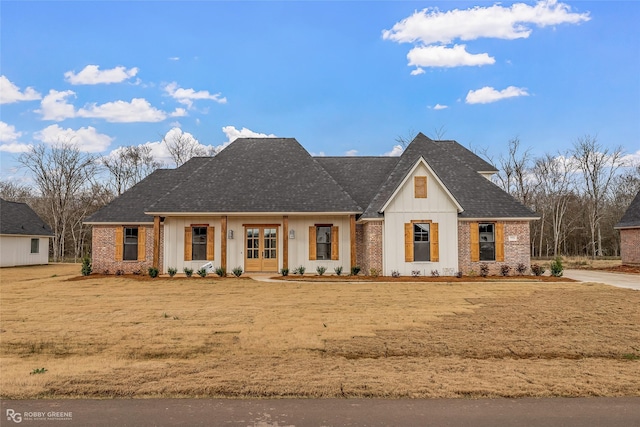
(621, 280)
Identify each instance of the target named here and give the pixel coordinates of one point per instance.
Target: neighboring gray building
(24, 237)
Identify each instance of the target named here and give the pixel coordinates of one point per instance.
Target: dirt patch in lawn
(121, 337)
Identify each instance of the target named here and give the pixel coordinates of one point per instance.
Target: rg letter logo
(14, 416)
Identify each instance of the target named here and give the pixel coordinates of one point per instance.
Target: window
(420, 187)
(487, 241)
(199, 243)
(421, 242)
(35, 246)
(130, 244)
(323, 242)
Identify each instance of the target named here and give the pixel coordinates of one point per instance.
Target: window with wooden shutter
(187, 243)
(324, 242)
(420, 187)
(210, 243)
(142, 240)
(421, 241)
(499, 242)
(312, 243)
(119, 243)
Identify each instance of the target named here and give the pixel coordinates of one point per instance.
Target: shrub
(153, 272)
(415, 273)
(188, 271)
(172, 271)
(237, 271)
(320, 270)
(119, 272)
(537, 269)
(395, 273)
(373, 272)
(434, 273)
(505, 269)
(86, 266)
(459, 274)
(202, 272)
(484, 269)
(556, 267)
(300, 270)
(521, 269)
(221, 272)
(338, 270)
(137, 272)
(284, 272)
(355, 270)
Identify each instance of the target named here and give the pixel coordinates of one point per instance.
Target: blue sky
(342, 77)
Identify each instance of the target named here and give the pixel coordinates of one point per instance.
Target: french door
(261, 248)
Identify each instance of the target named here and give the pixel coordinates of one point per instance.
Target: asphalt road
(621, 280)
(577, 412)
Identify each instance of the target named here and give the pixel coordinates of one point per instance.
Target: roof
(258, 175)
(631, 217)
(19, 218)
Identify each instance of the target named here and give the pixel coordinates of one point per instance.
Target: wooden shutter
(435, 247)
(474, 238)
(420, 187)
(142, 243)
(312, 242)
(500, 242)
(408, 242)
(210, 243)
(187, 243)
(335, 243)
(119, 243)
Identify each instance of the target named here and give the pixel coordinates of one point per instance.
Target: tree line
(579, 194)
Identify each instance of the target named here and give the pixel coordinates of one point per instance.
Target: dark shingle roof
(466, 156)
(19, 218)
(631, 217)
(258, 175)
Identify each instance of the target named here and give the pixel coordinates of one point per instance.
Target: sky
(342, 77)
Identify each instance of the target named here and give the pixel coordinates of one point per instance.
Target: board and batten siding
(404, 208)
(174, 242)
(16, 250)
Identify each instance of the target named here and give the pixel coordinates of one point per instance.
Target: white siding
(437, 207)
(174, 242)
(16, 250)
(299, 247)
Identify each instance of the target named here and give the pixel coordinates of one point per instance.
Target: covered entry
(261, 248)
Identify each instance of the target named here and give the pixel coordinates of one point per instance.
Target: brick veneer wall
(515, 252)
(369, 246)
(103, 252)
(630, 246)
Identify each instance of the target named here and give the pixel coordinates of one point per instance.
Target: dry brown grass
(121, 337)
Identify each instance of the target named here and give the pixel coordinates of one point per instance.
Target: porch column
(352, 239)
(156, 242)
(285, 242)
(223, 243)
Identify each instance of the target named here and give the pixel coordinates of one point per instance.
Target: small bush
(459, 274)
(505, 269)
(338, 270)
(119, 272)
(172, 271)
(86, 266)
(374, 272)
(537, 270)
(484, 269)
(415, 273)
(320, 270)
(188, 271)
(221, 272)
(300, 270)
(153, 272)
(395, 273)
(284, 272)
(435, 273)
(355, 270)
(137, 272)
(237, 271)
(556, 267)
(38, 371)
(202, 272)
(521, 269)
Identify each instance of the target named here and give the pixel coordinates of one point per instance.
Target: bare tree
(14, 192)
(128, 166)
(598, 166)
(405, 140)
(60, 174)
(515, 173)
(182, 146)
(438, 133)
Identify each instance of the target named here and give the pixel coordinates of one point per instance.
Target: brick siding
(515, 252)
(630, 246)
(104, 252)
(369, 246)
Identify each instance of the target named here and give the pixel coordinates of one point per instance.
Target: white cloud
(15, 147)
(440, 107)
(351, 153)
(54, 105)
(8, 133)
(442, 56)
(187, 96)
(395, 152)
(138, 110)
(488, 94)
(10, 93)
(86, 139)
(91, 75)
(174, 58)
(417, 71)
(430, 25)
(232, 134)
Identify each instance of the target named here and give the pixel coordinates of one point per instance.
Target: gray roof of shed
(19, 218)
(631, 217)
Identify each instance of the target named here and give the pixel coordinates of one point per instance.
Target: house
(629, 227)
(265, 204)
(24, 237)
